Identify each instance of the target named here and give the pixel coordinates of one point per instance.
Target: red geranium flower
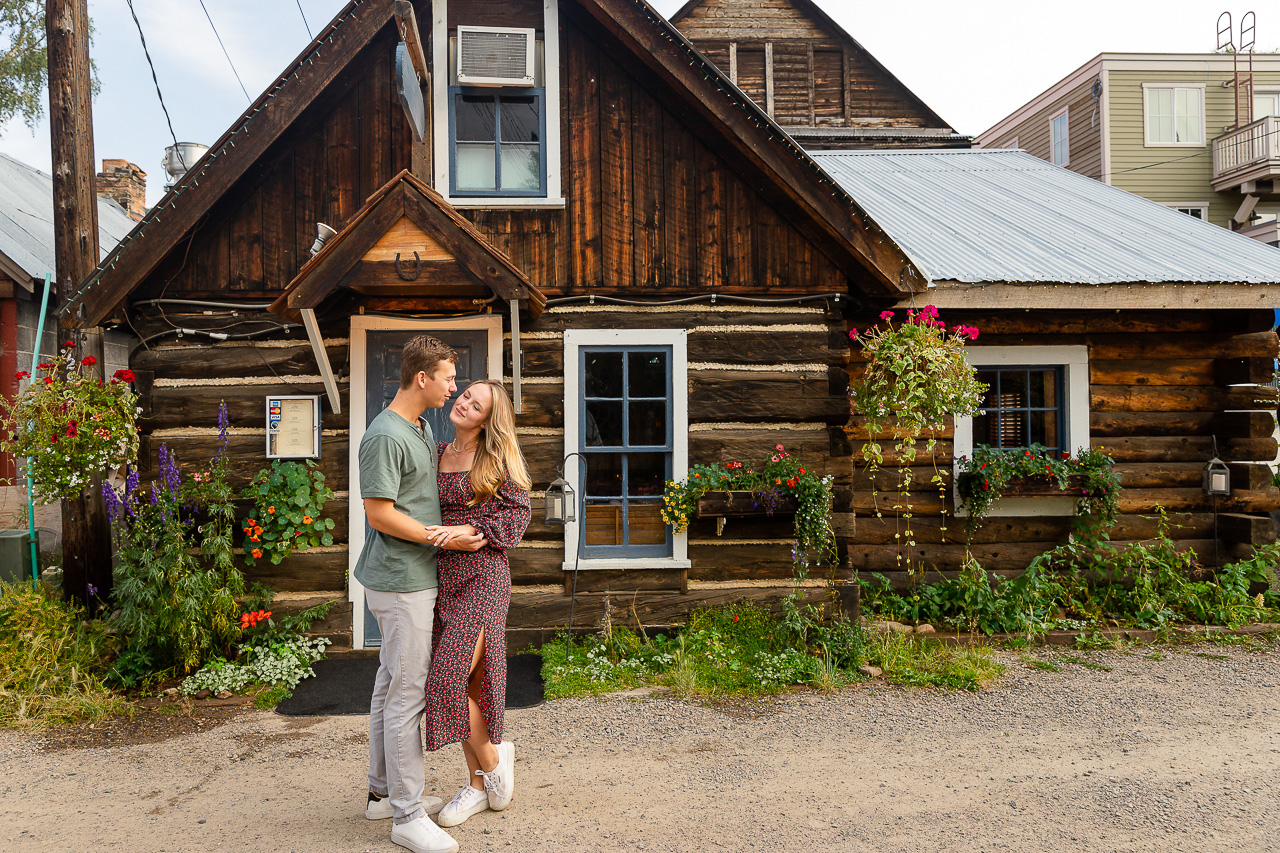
(48, 380)
(89, 361)
(69, 343)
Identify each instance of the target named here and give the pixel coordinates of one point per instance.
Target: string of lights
(221, 147)
(224, 51)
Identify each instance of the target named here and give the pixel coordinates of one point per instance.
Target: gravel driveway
(1181, 753)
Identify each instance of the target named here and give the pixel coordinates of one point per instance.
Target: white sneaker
(423, 836)
(500, 782)
(466, 802)
(379, 808)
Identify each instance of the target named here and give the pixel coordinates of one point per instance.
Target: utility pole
(86, 549)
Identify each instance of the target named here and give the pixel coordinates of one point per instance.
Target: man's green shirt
(398, 463)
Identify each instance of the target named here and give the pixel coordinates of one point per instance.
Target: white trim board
(1140, 295)
(677, 339)
(361, 325)
(1075, 360)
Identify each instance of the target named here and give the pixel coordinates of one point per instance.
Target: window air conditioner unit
(495, 56)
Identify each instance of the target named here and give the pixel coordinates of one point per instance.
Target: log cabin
(811, 76)
(581, 203)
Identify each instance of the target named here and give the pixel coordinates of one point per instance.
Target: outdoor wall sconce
(1217, 476)
(560, 503)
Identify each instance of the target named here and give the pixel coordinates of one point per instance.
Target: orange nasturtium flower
(306, 519)
(271, 510)
(257, 553)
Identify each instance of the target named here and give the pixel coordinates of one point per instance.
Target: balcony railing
(1249, 146)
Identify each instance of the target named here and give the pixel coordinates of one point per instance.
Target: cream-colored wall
(1084, 123)
(1173, 174)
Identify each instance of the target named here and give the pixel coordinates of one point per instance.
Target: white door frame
(361, 325)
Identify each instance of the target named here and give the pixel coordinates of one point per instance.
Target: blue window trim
(1060, 410)
(626, 550)
(497, 94)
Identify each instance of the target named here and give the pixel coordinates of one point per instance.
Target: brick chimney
(126, 184)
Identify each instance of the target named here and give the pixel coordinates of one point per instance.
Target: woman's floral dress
(475, 593)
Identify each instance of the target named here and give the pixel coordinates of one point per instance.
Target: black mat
(343, 686)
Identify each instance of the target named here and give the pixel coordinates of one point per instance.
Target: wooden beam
(260, 126)
(407, 24)
(733, 62)
(322, 359)
(768, 78)
(1066, 296)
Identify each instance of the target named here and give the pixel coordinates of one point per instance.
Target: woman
(484, 488)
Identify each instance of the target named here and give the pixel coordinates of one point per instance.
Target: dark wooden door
(383, 379)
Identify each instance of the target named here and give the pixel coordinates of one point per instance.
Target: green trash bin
(15, 556)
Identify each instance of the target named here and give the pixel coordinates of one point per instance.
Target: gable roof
(26, 223)
(658, 45)
(406, 196)
(997, 216)
(823, 20)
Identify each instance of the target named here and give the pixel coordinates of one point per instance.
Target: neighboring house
(616, 210)
(1107, 321)
(810, 76)
(1163, 126)
(27, 254)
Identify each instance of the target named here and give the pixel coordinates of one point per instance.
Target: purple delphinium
(169, 470)
(131, 492)
(114, 508)
(224, 428)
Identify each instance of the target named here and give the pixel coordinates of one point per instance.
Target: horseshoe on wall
(410, 275)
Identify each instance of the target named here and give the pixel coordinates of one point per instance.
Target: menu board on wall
(293, 427)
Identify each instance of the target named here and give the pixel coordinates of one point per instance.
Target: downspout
(31, 504)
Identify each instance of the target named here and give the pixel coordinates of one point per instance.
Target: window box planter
(733, 504)
(1036, 487)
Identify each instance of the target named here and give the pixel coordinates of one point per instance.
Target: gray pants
(399, 698)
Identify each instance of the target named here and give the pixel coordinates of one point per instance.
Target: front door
(382, 379)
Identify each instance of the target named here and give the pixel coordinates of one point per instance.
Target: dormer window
(497, 128)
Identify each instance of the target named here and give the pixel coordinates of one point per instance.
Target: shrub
(289, 499)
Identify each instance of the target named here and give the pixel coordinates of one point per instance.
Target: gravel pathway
(1178, 754)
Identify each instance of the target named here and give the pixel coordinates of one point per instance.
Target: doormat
(343, 686)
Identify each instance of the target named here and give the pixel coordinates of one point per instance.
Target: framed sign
(293, 427)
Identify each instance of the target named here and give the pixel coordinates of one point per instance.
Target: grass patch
(50, 662)
(1047, 666)
(921, 662)
(1086, 663)
(1208, 656)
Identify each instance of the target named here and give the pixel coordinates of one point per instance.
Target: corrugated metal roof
(26, 219)
(1004, 215)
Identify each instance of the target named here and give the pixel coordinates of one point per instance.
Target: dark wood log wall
(1160, 388)
(819, 78)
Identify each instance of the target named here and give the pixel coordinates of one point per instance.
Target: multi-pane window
(626, 436)
(1059, 131)
(497, 142)
(1175, 115)
(1022, 406)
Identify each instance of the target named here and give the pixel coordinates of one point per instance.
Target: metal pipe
(216, 336)
(31, 505)
(201, 303)
(712, 297)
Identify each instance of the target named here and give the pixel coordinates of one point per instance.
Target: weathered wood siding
(818, 76)
(1161, 386)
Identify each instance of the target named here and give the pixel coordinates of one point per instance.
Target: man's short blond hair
(423, 354)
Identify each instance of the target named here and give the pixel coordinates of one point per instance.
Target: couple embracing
(436, 579)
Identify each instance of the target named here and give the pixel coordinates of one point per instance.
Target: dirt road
(1179, 753)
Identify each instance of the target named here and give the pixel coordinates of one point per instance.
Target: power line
(304, 19)
(224, 52)
(155, 79)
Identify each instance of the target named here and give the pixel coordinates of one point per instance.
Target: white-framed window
(1036, 394)
(1013, 143)
(626, 411)
(1265, 103)
(1173, 114)
(1195, 209)
(497, 146)
(1060, 137)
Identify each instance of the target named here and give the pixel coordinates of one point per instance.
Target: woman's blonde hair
(498, 453)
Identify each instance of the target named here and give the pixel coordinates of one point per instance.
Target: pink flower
(885, 315)
(853, 334)
(780, 447)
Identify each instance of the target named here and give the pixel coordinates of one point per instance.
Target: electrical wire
(224, 52)
(156, 80)
(304, 20)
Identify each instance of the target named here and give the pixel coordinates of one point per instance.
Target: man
(397, 568)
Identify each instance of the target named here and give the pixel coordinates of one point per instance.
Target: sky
(972, 62)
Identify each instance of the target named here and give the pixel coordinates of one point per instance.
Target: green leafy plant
(67, 425)
(289, 499)
(985, 477)
(175, 582)
(782, 476)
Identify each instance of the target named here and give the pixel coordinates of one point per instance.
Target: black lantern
(560, 503)
(1217, 476)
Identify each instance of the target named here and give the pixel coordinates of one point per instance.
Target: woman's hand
(457, 537)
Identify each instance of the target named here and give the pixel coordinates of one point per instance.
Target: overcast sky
(972, 62)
